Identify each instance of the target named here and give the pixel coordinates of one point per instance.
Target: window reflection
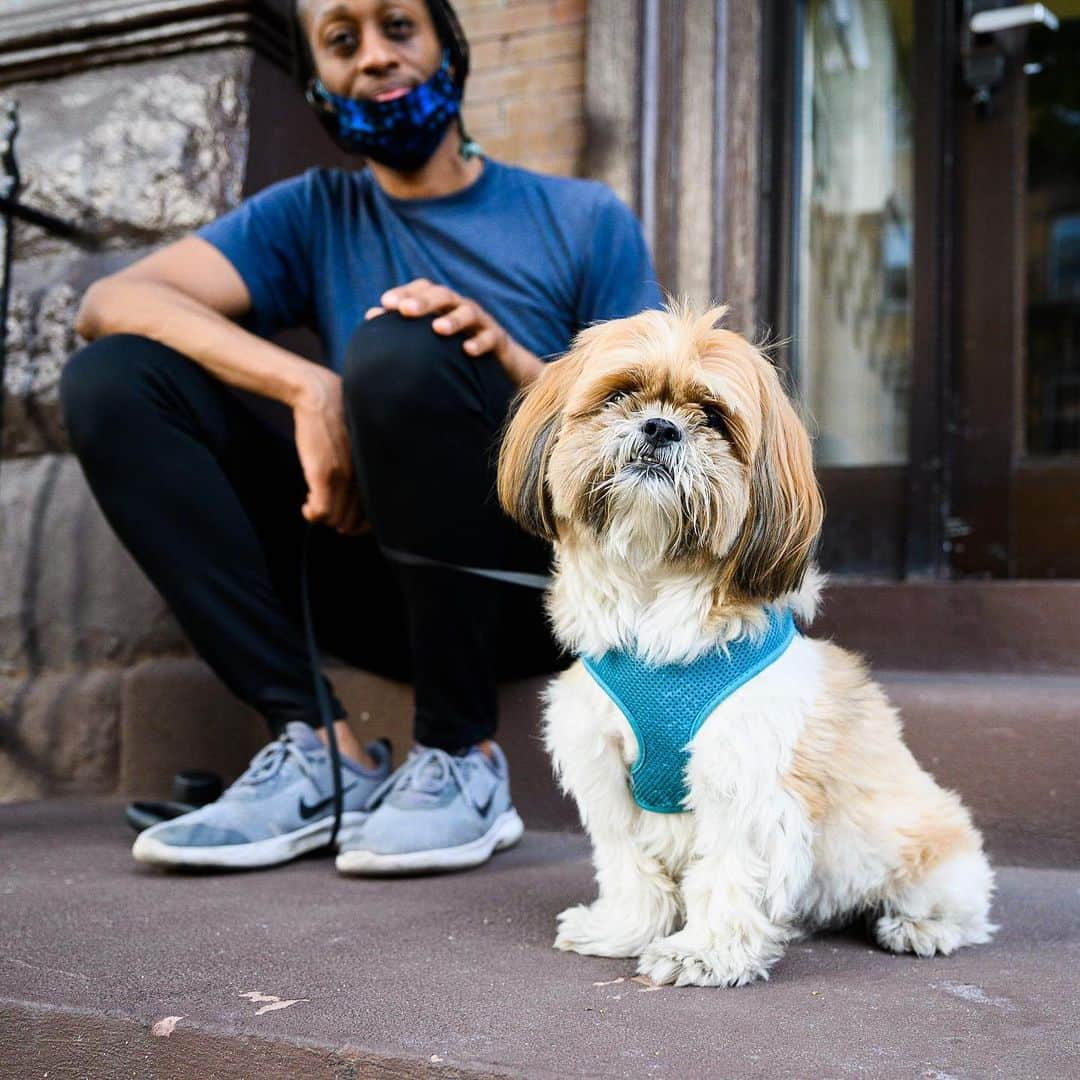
(853, 332)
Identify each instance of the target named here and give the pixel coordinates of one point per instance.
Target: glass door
(852, 344)
(923, 276)
(1015, 508)
(842, 266)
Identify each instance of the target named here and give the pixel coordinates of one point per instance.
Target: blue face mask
(402, 133)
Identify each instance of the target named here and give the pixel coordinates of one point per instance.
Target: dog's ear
(527, 444)
(784, 520)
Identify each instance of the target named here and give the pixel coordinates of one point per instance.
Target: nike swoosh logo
(309, 811)
(486, 806)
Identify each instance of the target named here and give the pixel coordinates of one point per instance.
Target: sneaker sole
(505, 831)
(269, 852)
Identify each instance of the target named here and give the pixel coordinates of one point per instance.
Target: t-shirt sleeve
(267, 240)
(618, 277)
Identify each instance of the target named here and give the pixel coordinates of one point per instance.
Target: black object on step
(196, 787)
(141, 815)
(192, 788)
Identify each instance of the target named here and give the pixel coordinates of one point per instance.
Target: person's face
(371, 49)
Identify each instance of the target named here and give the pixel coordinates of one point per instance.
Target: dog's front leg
(752, 859)
(638, 900)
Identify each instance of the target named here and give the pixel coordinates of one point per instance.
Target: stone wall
(143, 135)
(138, 167)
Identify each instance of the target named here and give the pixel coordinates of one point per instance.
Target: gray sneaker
(437, 812)
(281, 807)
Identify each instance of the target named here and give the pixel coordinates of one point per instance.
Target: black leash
(326, 713)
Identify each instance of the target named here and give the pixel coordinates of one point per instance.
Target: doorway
(923, 272)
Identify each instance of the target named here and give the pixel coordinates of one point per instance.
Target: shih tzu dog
(741, 783)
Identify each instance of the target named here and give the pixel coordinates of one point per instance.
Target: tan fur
(527, 444)
(851, 762)
(782, 528)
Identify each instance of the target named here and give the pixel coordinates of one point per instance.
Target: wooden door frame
(986, 387)
(929, 464)
(1013, 515)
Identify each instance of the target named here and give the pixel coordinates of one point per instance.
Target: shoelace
(269, 761)
(426, 770)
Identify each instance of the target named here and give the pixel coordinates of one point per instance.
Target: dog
(664, 460)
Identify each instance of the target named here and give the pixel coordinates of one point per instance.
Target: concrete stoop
(1010, 744)
(109, 969)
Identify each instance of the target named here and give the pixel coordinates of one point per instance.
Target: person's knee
(394, 363)
(87, 386)
(100, 384)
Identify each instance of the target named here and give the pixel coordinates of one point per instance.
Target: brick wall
(525, 99)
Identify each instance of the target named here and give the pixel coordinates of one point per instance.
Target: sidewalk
(298, 972)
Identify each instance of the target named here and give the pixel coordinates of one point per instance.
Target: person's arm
(186, 296)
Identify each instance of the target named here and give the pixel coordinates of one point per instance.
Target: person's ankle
(349, 745)
(484, 746)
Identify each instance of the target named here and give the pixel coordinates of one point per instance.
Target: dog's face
(663, 439)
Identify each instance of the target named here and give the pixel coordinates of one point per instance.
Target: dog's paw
(595, 932)
(579, 930)
(925, 937)
(686, 959)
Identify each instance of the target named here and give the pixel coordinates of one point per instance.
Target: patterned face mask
(402, 133)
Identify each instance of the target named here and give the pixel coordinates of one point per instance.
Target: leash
(510, 577)
(326, 713)
(322, 698)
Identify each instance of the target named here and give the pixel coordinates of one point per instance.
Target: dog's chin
(652, 513)
(644, 524)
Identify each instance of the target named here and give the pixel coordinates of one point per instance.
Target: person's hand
(322, 442)
(459, 315)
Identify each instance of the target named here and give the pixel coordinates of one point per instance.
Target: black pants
(205, 492)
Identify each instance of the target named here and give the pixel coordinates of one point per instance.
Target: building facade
(887, 197)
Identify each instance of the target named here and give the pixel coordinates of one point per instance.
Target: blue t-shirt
(543, 255)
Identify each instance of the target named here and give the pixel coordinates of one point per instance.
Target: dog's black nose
(660, 432)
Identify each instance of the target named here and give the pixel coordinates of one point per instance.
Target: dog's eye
(715, 418)
(616, 396)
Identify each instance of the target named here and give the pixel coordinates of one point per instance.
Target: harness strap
(666, 704)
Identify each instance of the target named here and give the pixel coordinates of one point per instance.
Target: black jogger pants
(205, 493)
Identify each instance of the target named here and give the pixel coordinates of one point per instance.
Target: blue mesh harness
(667, 704)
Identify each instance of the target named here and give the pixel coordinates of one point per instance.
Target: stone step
(1013, 627)
(1010, 744)
(110, 969)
